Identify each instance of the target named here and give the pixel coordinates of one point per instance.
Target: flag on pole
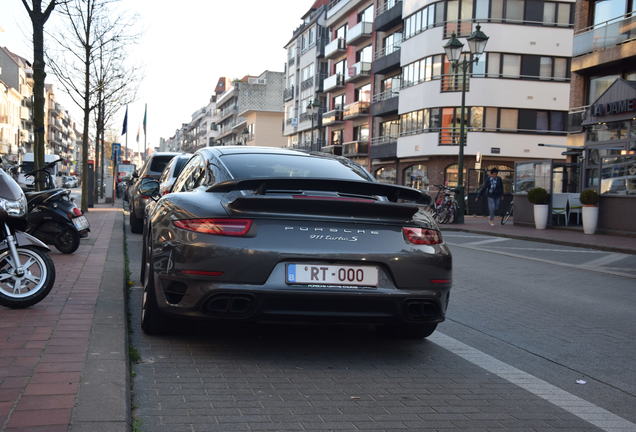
(145, 117)
(124, 129)
(138, 132)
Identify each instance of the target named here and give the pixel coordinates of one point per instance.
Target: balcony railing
(359, 32)
(288, 94)
(356, 109)
(385, 51)
(309, 82)
(355, 148)
(335, 47)
(384, 139)
(610, 33)
(332, 117)
(387, 94)
(358, 71)
(334, 149)
(333, 82)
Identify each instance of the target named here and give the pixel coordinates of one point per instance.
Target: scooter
(54, 217)
(27, 273)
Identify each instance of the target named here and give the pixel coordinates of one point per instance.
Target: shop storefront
(609, 161)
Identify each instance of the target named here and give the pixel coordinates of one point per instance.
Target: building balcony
(383, 147)
(356, 109)
(359, 71)
(334, 149)
(333, 82)
(605, 35)
(386, 59)
(307, 117)
(308, 83)
(335, 47)
(388, 16)
(227, 113)
(359, 33)
(25, 113)
(355, 148)
(288, 94)
(385, 103)
(332, 117)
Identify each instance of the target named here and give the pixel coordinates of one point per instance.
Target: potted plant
(540, 198)
(589, 199)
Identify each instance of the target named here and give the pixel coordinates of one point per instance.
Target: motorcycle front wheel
(28, 287)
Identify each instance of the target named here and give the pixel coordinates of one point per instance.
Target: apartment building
(60, 135)
(517, 94)
(348, 86)
(603, 101)
(16, 116)
(305, 69)
(386, 81)
(250, 112)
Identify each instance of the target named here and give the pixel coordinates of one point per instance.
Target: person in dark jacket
(493, 190)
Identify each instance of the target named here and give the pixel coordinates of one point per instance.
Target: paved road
(521, 331)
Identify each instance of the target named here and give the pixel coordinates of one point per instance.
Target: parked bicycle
(444, 207)
(505, 217)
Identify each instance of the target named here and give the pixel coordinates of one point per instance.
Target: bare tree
(86, 31)
(39, 15)
(116, 82)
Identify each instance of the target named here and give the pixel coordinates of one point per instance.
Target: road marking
(488, 241)
(546, 261)
(452, 234)
(605, 260)
(581, 408)
(548, 250)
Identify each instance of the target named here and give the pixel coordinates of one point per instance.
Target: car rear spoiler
(263, 185)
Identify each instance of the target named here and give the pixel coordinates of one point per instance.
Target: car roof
(164, 154)
(227, 150)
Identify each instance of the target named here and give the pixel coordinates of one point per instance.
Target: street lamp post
(312, 109)
(476, 43)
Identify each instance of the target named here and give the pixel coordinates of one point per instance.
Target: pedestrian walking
(492, 189)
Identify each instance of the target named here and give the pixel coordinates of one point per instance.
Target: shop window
(386, 175)
(618, 172)
(529, 175)
(416, 177)
(451, 175)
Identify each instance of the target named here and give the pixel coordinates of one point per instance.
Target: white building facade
(518, 92)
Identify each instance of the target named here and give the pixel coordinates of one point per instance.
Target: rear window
(250, 166)
(158, 163)
(179, 166)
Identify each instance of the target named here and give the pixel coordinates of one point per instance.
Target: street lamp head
(313, 106)
(477, 41)
(453, 49)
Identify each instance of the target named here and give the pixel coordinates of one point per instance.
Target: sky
(185, 46)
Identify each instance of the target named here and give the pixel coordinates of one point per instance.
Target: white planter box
(541, 216)
(590, 219)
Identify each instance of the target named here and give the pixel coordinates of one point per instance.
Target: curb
(543, 240)
(103, 401)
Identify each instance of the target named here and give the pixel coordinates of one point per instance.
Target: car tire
(136, 224)
(408, 331)
(153, 321)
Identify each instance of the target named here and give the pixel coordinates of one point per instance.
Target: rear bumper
(197, 299)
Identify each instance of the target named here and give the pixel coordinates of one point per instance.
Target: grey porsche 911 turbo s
(268, 234)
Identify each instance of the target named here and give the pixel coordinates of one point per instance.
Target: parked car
(70, 182)
(151, 170)
(263, 234)
(171, 172)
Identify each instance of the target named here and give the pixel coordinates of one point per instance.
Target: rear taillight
(225, 227)
(77, 212)
(422, 236)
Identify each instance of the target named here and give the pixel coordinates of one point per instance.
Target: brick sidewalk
(569, 237)
(43, 349)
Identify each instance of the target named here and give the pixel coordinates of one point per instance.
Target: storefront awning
(617, 103)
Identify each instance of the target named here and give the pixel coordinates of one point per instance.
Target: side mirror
(149, 188)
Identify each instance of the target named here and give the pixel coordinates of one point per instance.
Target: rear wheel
(136, 224)
(28, 287)
(408, 331)
(67, 241)
(153, 321)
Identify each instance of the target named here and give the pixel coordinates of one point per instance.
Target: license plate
(80, 222)
(311, 274)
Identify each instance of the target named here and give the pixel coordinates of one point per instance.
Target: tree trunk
(39, 75)
(87, 118)
(98, 134)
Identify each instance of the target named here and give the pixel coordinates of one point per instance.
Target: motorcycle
(53, 215)
(27, 273)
